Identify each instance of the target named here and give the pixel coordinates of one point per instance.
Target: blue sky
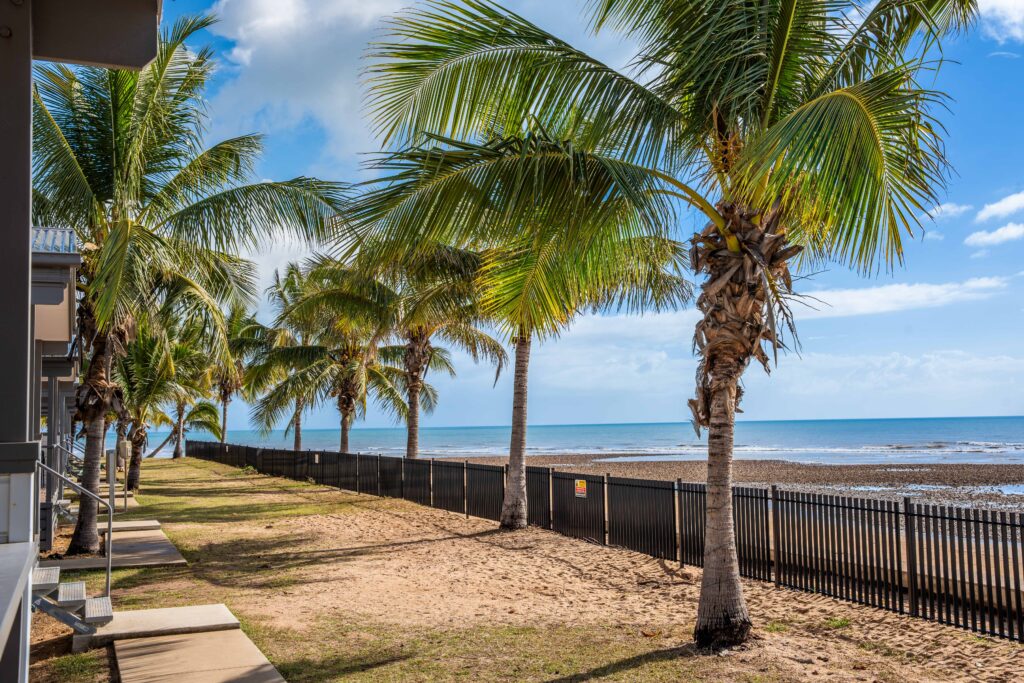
(940, 336)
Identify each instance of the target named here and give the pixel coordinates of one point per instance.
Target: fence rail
(958, 566)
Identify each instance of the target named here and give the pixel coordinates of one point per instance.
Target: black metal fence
(957, 566)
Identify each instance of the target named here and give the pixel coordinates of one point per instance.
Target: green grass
(776, 627)
(79, 668)
(837, 622)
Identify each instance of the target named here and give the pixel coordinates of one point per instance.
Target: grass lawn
(336, 586)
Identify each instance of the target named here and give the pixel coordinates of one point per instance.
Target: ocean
(913, 440)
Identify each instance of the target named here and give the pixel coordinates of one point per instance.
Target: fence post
(551, 500)
(911, 543)
(776, 545)
(356, 456)
(607, 517)
(378, 475)
(677, 488)
(430, 483)
(465, 487)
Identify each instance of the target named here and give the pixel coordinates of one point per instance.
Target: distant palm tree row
(520, 184)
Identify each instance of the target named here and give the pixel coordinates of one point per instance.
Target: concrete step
(150, 623)
(98, 611)
(45, 580)
(134, 525)
(71, 595)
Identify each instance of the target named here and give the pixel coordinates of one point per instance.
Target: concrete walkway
(130, 549)
(219, 657)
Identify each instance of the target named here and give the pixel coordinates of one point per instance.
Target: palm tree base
(726, 634)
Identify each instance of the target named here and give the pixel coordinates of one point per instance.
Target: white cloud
(947, 210)
(990, 238)
(939, 382)
(934, 235)
(840, 303)
(1002, 19)
(296, 61)
(1005, 54)
(1004, 207)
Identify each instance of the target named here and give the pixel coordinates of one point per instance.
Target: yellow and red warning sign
(581, 488)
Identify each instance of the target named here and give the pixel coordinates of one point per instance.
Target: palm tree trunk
(722, 617)
(513, 507)
(297, 425)
(417, 358)
(138, 441)
(179, 433)
(224, 418)
(86, 539)
(162, 444)
(740, 260)
(93, 398)
(412, 441)
(346, 426)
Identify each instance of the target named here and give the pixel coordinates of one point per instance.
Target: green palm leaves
(119, 157)
(778, 101)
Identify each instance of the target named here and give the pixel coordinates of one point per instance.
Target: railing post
(911, 542)
(774, 541)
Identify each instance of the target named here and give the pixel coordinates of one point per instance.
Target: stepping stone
(222, 657)
(133, 525)
(151, 623)
(130, 549)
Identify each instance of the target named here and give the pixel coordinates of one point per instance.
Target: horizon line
(643, 424)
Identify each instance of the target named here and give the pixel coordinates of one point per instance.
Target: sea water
(916, 440)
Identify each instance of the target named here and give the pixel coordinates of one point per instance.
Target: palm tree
(431, 300)
(540, 267)
(788, 125)
(150, 373)
(320, 354)
(289, 331)
(119, 157)
(229, 374)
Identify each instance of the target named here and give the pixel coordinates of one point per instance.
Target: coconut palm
(319, 354)
(423, 303)
(540, 267)
(150, 373)
(119, 157)
(788, 125)
(268, 343)
(240, 326)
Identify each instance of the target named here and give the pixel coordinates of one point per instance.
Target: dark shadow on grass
(629, 664)
(299, 670)
(257, 563)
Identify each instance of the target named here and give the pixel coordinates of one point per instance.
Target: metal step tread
(45, 579)
(71, 594)
(98, 611)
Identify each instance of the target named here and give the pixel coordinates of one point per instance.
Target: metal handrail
(110, 517)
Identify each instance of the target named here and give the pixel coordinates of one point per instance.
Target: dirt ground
(335, 586)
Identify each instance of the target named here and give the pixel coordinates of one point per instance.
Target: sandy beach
(992, 485)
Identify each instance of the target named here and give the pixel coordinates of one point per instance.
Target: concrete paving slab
(130, 549)
(221, 657)
(133, 525)
(166, 621)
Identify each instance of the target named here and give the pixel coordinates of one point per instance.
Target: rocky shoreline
(989, 485)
